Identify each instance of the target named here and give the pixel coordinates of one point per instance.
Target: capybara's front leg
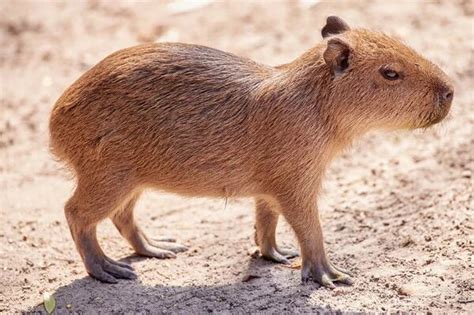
(266, 220)
(302, 214)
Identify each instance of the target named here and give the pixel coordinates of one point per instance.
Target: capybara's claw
(118, 263)
(169, 245)
(107, 270)
(119, 272)
(288, 252)
(342, 270)
(102, 276)
(325, 274)
(153, 251)
(273, 255)
(168, 239)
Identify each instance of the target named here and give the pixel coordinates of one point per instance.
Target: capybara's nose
(446, 95)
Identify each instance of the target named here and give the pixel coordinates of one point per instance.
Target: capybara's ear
(337, 55)
(334, 25)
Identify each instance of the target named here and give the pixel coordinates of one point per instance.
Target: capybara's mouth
(434, 117)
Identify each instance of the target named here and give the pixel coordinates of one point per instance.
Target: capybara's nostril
(446, 95)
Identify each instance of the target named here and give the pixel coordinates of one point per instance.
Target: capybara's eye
(389, 74)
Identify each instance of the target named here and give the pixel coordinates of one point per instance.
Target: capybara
(197, 121)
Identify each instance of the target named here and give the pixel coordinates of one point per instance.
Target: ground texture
(397, 208)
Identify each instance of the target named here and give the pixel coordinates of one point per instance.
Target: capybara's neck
(306, 87)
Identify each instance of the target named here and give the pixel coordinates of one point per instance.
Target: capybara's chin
(437, 115)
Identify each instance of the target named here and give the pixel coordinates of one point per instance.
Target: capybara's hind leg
(265, 229)
(87, 207)
(125, 222)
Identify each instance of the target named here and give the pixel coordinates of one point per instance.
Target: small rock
(407, 242)
(405, 291)
(250, 277)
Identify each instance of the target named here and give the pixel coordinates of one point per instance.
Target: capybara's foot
(277, 254)
(168, 244)
(273, 255)
(118, 263)
(163, 248)
(288, 252)
(108, 270)
(325, 274)
(149, 250)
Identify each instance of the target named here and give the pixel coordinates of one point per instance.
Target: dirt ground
(397, 208)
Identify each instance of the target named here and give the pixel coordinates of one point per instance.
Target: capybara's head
(382, 82)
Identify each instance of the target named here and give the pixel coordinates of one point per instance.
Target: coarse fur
(197, 121)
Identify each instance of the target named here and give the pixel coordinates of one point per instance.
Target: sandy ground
(397, 208)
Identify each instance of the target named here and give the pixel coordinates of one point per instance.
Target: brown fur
(197, 121)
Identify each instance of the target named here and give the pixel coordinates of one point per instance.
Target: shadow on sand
(257, 291)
